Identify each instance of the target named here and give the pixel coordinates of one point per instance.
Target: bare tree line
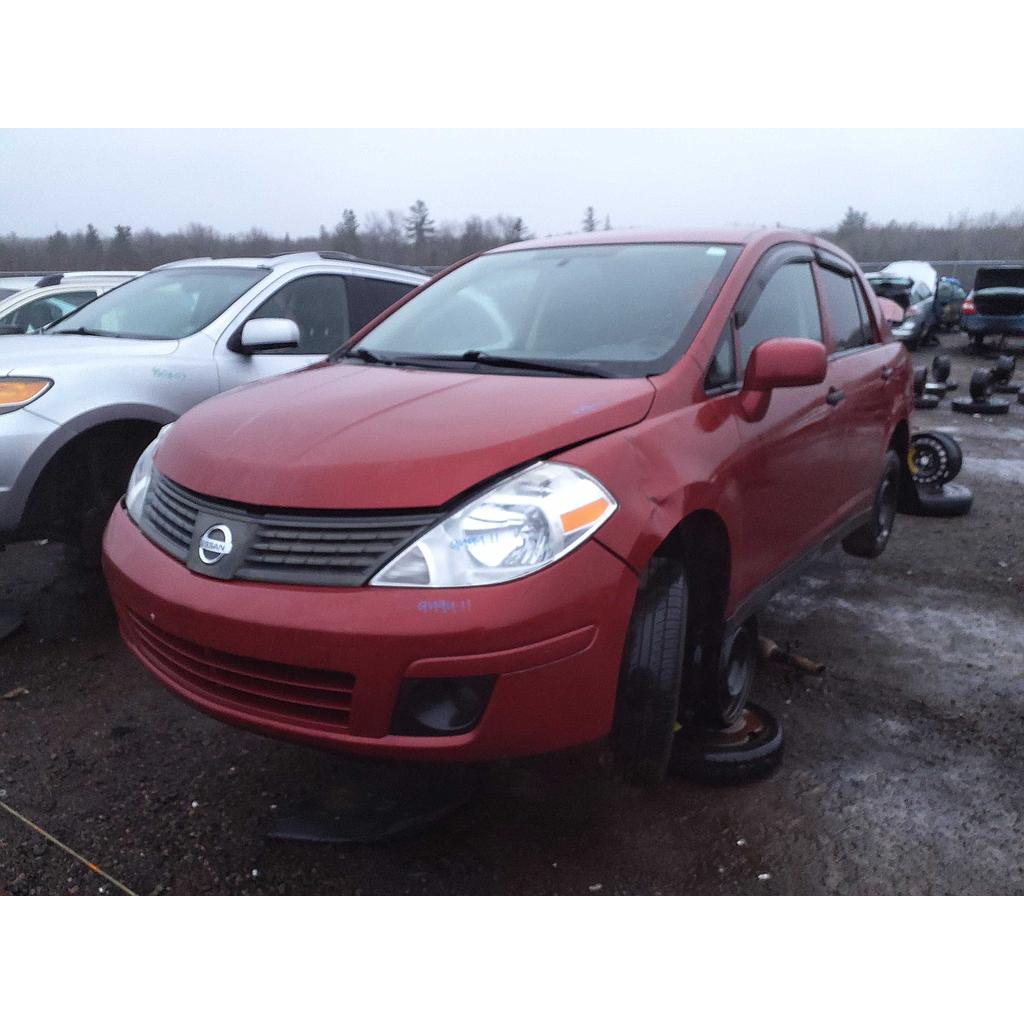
(989, 236)
(413, 237)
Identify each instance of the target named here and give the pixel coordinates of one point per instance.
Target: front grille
(284, 693)
(315, 548)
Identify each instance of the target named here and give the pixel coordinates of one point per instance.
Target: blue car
(995, 306)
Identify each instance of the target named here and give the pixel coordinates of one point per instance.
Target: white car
(81, 399)
(54, 296)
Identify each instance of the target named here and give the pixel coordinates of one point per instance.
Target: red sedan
(538, 501)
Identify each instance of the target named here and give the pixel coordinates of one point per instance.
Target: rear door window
(844, 314)
(787, 308)
(370, 296)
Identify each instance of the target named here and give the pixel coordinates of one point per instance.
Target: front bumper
(980, 323)
(26, 442)
(323, 665)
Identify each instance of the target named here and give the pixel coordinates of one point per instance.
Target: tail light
(967, 306)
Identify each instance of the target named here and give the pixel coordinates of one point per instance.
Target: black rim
(888, 495)
(737, 676)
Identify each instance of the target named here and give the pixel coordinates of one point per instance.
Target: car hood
(353, 437)
(40, 354)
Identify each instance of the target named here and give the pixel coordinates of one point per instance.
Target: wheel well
(900, 440)
(701, 543)
(89, 469)
(900, 443)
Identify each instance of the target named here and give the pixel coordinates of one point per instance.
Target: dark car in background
(995, 305)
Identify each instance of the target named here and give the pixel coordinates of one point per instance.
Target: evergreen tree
(418, 225)
(122, 250)
(589, 220)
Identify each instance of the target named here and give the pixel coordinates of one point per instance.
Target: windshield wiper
(362, 353)
(87, 332)
(515, 363)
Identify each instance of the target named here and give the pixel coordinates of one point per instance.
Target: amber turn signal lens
(20, 392)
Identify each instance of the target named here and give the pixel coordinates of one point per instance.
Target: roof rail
(45, 282)
(331, 254)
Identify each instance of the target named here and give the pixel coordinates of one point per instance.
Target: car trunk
(999, 291)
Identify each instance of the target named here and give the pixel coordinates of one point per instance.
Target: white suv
(81, 399)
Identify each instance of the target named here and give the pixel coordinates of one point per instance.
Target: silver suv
(81, 399)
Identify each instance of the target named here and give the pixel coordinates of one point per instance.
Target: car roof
(711, 236)
(292, 259)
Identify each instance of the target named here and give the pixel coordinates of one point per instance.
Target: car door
(789, 436)
(862, 377)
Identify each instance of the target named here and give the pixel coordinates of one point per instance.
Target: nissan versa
(539, 501)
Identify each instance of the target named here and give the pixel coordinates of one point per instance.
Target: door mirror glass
(264, 334)
(785, 363)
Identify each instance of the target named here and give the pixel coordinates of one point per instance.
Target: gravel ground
(902, 771)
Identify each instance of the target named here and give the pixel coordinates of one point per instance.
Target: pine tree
(122, 251)
(589, 220)
(418, 225)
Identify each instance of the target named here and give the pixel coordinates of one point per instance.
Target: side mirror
(266, 333)
(785, 363)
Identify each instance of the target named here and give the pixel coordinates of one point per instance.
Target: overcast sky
(289, 180)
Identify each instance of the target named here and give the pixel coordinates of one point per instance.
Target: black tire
(986, 407)
(870, 540)
(942, 366)
(934, 458)
(946, 501)
(724, 696)
(1003, 368)
(935, 388)
(920, 379)
(647, 705)
(750, 749)
(926, 402)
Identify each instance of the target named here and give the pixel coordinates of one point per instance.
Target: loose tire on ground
(946, 501)
(934, 458)
(750, 749)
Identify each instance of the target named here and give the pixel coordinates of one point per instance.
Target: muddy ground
(903, 773)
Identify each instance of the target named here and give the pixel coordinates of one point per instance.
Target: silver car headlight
(138, 483)
(519, 526)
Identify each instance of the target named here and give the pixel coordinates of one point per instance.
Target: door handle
(886, 372)
(835, 396)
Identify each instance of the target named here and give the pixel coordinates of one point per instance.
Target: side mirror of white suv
(265, 333)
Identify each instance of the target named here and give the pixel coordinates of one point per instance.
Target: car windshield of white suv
(587, 310)
(163, 305)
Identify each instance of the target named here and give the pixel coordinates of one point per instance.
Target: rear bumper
(323, 666)
(980, 323)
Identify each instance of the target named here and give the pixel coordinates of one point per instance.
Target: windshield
(624, 310)
(162, 305)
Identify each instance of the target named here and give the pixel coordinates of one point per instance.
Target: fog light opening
(441, 707)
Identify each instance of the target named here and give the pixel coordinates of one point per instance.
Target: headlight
(138, 484)
(523, 524)
(16, 392)
(906, 326)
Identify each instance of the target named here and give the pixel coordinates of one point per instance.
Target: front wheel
(870, 540)
(651, 674)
